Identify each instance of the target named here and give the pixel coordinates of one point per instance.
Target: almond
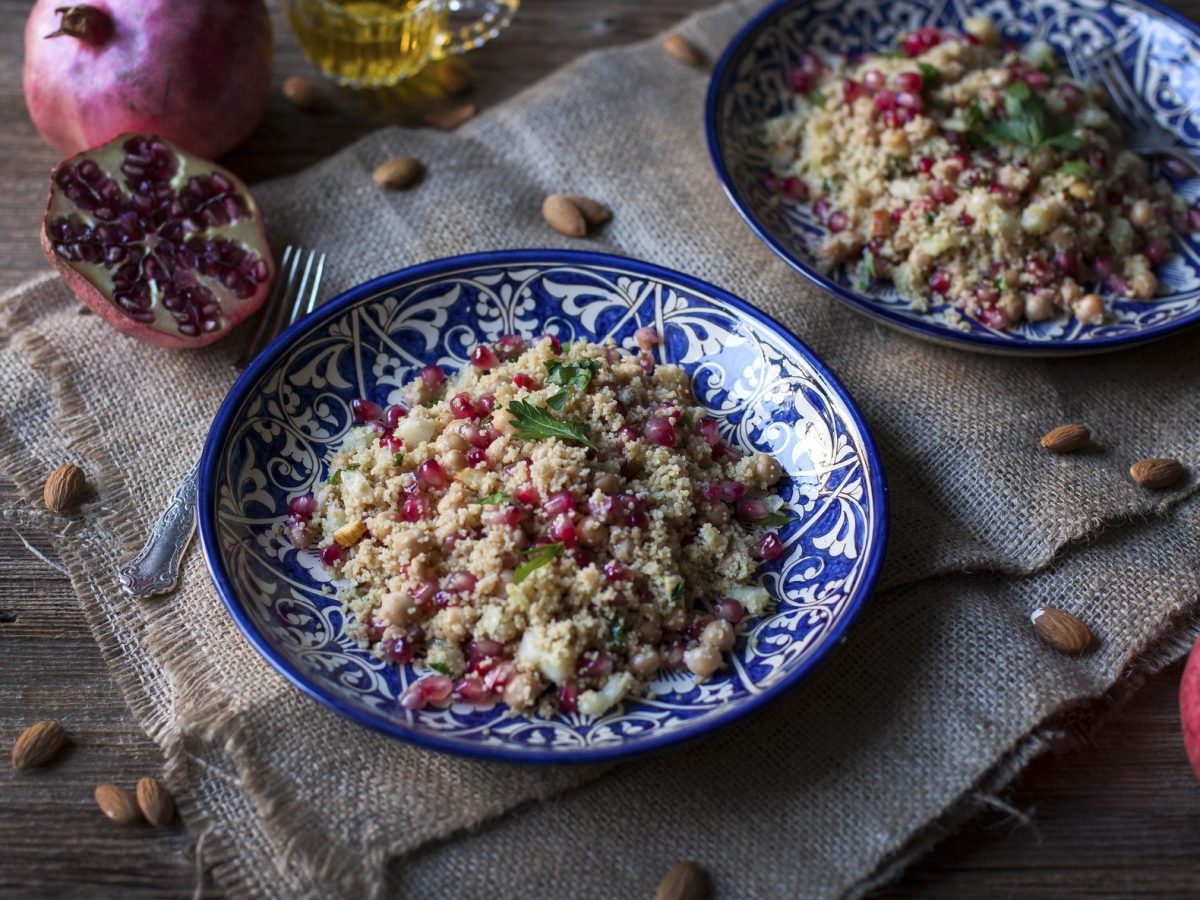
(1066, 438)
(683, 50)
(64, 487)
(451, 117)
(1061, 630)
(594, 212)
(564, 216)
(303, 93)
(452, 78)
(117, 803)
(38, 744)
(398, 172)
(1159, 472)
(155, 802)
(350, 533)
(685, 881)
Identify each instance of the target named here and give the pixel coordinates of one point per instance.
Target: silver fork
(1147, 135)
(155, 570)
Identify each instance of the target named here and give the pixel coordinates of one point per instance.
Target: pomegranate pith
(163, 245)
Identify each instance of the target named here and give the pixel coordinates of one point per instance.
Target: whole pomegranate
(1189, 707)
(165, 246)
(197, 74)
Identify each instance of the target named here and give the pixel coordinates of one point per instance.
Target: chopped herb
(1076, 168)
(336, 477)
(569, 375)
(686, 419)
(1048, 67)
(930, 218)
(816, 98)
(1000, 284)
(494, 499)
(441, 667)
(930, 76)
(866, 271)
(1029, 124)
(894, 54)
(826, 185)
(566, 348)
(536, 424)
(429, 404)
(897, 165)
(616, 634)
(538, 557)
(677, 594)
(974, 116)
(557, 401)
(779, 517)
(397, 459)
(353, 467)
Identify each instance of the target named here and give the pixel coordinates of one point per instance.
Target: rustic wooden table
(1119, 818)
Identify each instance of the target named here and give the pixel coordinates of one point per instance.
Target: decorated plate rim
(215, 448)
(943, 335)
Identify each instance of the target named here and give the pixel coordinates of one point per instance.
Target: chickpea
(1089, 309)
(1080, 190)
(983, 29)
(1062, 238)
(397, 608)
(645, 662)
(1070, 291)
(453, 623)
(766, 468)
(1012, 306)
(1141, 214)
(592, 531)
(1143, 285)
(1040, 305)
(895, 142)
(718, 633)
(716, 513)
(702, 661)
(675, 619)
(454, 461)
(608, 483)
(408, 543)
(521, 690)
(502, 419)
(450, 439)
(1000, 78)
(650, 631)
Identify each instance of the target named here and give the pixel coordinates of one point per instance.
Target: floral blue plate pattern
(1160, 51)
(288, 412)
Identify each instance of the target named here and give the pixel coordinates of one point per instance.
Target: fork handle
(155, 570)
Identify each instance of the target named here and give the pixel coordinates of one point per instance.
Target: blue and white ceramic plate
(1160, 51)
(288, 412)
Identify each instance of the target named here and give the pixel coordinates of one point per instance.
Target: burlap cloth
(940, 695)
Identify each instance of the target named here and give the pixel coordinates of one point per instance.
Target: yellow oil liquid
(369, 43)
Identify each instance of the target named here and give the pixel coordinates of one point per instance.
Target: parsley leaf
(974, 115)
(677, 594)
(1075, 167)
(440, 667)
(494, 499)
(616, 634)
(336, 477)
(930, 76)
(780, 517)
(1029, 124)
(557, 401)
(930, 218)
(866, 272)
(816, 98)
(826, 186)
(397, 459)
(539, 557)
(535, 424)
(353, 467)
(569, 375)
(1000, 284)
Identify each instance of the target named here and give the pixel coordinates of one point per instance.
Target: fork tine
(1123, 92)
(312, 297)
(300, 290)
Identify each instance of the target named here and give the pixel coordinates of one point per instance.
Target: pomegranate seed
(729, 491)
(913, 46)
(522, 380)
(925, 165)
(436, 687)
(415, 509)
(966, 220)
(393, 414)
(1036, 79)
(898, 213)
(943, 192)
(631, 510)
(503, 515)
(838, 221)
(484, 647)
(994, 318)
(499, 675)
(433, 376)
(659, 430)
(1066, 262)
(971, 39)
(910, 82)
(555, 343)
(366, 410)
(485, 405)
(885, 100)
(424, 591)
(396, 650)
(873, 79)
(527, 494)
(1156, 251)
(672, 659)
(811, 64)
(471, 690)
(987, 294)
(851, 90)
(821, 208)
(707, 429)
(376, 628)
(558, 503)
(510, 346)
(594, 664)
(729, 610)
(462, 407)
(580, 558)
(698, 625)
(614, 571)
(603, 508)
(392, 443)
(891, 119)
(432, 474)
(909, 101)
(801, 82)
(298, 532)
(562, 529)
(751, 508)
(1103, 266)
(1097, 160)
(460, 582)
(627, 435)
(484, 357)
(646, 337)
(414, 697)
(769, 546)
(1193, 219)
(794, 189)
(333, 554)
(646, 361)
(1116, 284)
(442, 599)
(1071, 95)
(302, 506)
(568, 697)
(476, 458)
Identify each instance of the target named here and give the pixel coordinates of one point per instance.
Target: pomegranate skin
(198, 74)
(1189, 707)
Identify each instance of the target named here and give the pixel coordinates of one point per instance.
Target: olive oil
(370, 43)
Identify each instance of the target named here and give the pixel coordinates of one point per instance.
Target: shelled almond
(1156, 473)
(398, 172)
(38, 744)
(1061, 630)
(64, 488)
(303, 93)
(451, 117)
(117, 803)
(682, 50)
(155, 802)
(1066, 438)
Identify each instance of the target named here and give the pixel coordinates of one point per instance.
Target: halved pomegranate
(163, 245)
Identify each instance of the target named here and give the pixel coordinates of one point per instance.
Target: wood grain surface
(1118, 818)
